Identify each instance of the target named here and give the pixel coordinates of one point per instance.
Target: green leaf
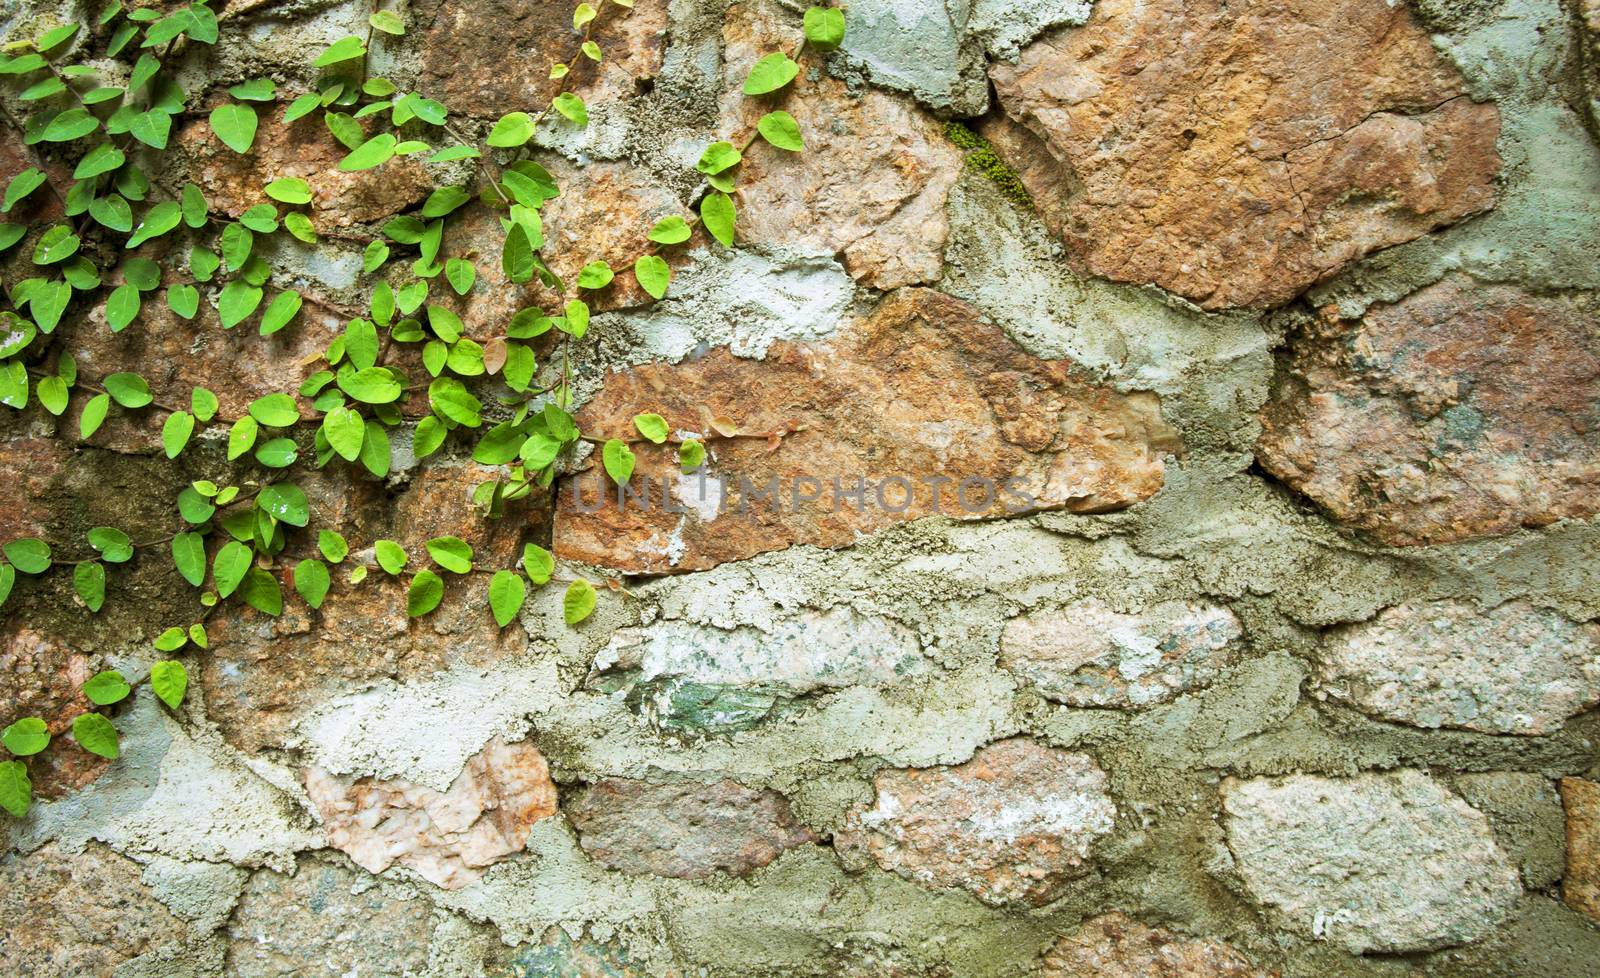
(128, 390)
(254, 90)
(237, 302)
(374, 152)
(595, 275)
(278, 453)
(691, 455)
(717, 213)
(425, 593)
(55, 37)
(578, 603)
(824, 27)
(391, 556)
(169, 680)
(387, 21)
(451, 153)
(193, 507)
(311, 581)
(577, 318)
(460, 274)
(95, 734)
(183, 300)
(171, 640)
(374, 385)
(345, 129)
(235, 125)
(770, 74)
(452, 553)
(105, 688)
(718, 157)
(53, 395)
(69, 125)
(94, 415)
(14, 384)
(176, 431)
(260, 591)
(333, 545)
(618, 460)
(375, 453)
(113, 212)
(290, 190)
(652, 426)
(197, 634)
(241, 436)
(653, 275)
(513, 130)
(583, 14)
(302, 106)
(539, 450)
(780, 129)
(262, 218)
(122, 307)
(157, 221)
(112, 544)
(26, 737)
(670, 231)
(47, 302)
(516, 260)
(237, 243)
(286, 502)
(537, 563)
(428, 436)
(102, 159)
(300, 226)
(151, 128)
(229, 567)
(344, 49)
(8, 578)
(451, 400)
(21, 186)
(189, 556)
(89, 580)
(283, 309)
(16, 791)
(506, 594)
(345, 430)
(275, 411)
(56, 244)
(590, 50)
(572, 107)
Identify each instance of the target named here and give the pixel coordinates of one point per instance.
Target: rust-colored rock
(31, 467)
(1013, 825)
(447, 837)
(872, 182)
(1580, 886)
(489, 57)
(683, 829)
(1117, 946)
(233, 182)
(77, 915)
(1461, 411)
(41, 677)
(1588, 12)
(1238, 153)
(923, 390)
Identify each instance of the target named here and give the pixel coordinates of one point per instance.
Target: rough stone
(604, 213)
(1514, 669)
(683, 829)
(1004, 26)
(1588, 12)
(1013, 825)
(1460, 411)
(1525, 811)
(1091, 655)
(488, 58)
(558, 955)
(1385, 863)
(446, 837)
(32, 466)
(922, 48)
(79, 914)
(1580, 887)
(872, 183)
(1237, 154)
(42, 677)
(1115, 945)
(326, 921)
(922, 390)
(234, 182)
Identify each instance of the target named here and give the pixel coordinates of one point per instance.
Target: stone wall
(1286, 313)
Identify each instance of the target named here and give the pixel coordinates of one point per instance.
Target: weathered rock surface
(1005, 25)
(73, 915)
(1580, 887)
(1461, 411)
(1386, 863)
(1117, 946)
(687, 677)
(1236, 154)
(923, 391)
(1588, 13)
(465, 62)
(1013, 825)
(326, 921)
(42, 677)
(32, 466)
(1513, 669)
(1090, 655)
(872, 182)
(921, 48)
(447, 837)
(234, 182)
(683, 829)
(557, 955)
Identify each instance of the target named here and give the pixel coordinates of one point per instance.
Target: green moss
(981, 157)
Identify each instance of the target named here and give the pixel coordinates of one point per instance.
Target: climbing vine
(342, 413)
